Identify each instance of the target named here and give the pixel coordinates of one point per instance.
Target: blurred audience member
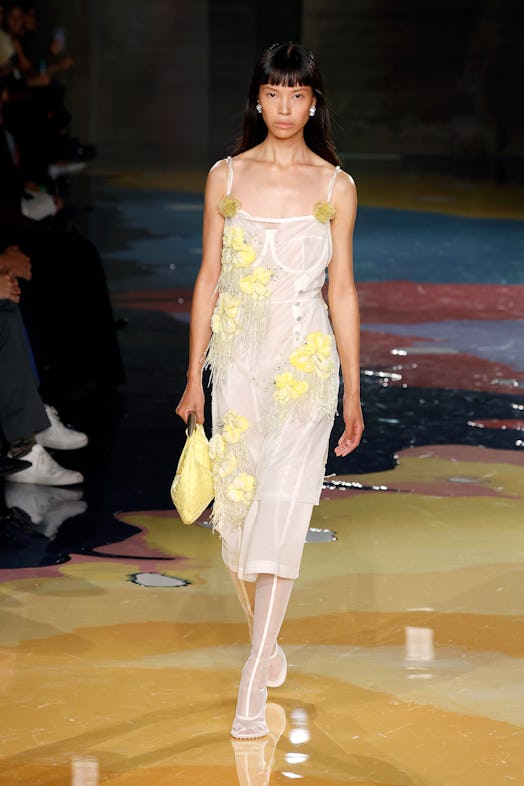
(27, 424)
(7, 50)
(66, 307)
(34, 108)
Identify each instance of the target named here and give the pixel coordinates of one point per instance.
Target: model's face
(285, 109)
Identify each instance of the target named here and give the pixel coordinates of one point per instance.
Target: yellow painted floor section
(430, 192)
(405, 639)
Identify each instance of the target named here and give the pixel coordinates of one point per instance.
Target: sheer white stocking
(271, 600)
(246, 594)
(277, 669)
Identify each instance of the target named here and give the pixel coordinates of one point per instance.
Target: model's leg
(246, 594)
(271, 600)
(277, 669)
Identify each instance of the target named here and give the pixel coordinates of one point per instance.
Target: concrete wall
(433, 77)
(164, 81)
(140, 89)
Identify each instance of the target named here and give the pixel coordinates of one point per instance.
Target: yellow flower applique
(242, 488)
(223, 461)
(224, 319)
(324, 212)
(235, 251)
(217, 448)
(228, 206)
(314, 355)
(256, 283)
(234, 426)
(288, 387)
(226, 466)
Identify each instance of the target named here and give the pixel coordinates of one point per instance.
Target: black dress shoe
(10, 465)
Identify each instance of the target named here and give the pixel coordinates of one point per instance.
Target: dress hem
(251, 572)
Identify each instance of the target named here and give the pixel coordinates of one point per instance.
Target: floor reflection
(84, 771)
(48, 507)
(254, 759)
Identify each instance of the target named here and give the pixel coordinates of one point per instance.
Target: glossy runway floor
(121, 637)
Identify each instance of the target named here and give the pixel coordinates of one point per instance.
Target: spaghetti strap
(332, 183)
(229, 175)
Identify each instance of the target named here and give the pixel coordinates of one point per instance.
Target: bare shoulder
(218, 173)
(344, 183)
(345, 193)
(344, 200)
(345, 186)
(216, 182)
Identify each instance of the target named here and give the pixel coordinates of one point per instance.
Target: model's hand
(16, 262)
(9, 289)
(192, 400)
(354, 423)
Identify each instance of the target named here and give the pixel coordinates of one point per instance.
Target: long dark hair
(289, 65)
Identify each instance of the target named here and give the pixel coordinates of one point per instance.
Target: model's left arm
(343, 306)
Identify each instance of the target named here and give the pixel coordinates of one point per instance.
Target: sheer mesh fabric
(271, 600)
(277, 667)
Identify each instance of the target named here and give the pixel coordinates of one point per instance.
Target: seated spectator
(14, 25)
(27, 424)
(7, 50)
(66, 307)
(34, 110)
(54, 56)
(15, 20)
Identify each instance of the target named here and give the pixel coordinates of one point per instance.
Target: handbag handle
(191, 423)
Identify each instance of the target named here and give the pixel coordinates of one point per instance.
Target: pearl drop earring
(259, 109)
(312, 111)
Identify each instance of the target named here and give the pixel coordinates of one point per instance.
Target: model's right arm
(204, 293)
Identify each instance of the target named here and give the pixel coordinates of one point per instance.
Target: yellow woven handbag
(192, 487)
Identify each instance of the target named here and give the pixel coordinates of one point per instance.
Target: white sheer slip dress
(275, 377)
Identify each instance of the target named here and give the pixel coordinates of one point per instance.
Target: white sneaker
(45, 471)
(59, 436)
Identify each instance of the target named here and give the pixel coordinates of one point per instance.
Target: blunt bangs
(288, 66)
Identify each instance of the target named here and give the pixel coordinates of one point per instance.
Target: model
(276, 214)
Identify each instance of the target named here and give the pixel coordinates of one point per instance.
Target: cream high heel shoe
(250, 717)
(277, 669)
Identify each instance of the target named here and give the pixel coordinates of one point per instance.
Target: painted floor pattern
(121, 640)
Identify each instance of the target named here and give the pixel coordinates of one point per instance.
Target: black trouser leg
(21, 409)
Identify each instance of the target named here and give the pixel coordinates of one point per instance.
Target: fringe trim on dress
(234, 486)
(242, 308)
